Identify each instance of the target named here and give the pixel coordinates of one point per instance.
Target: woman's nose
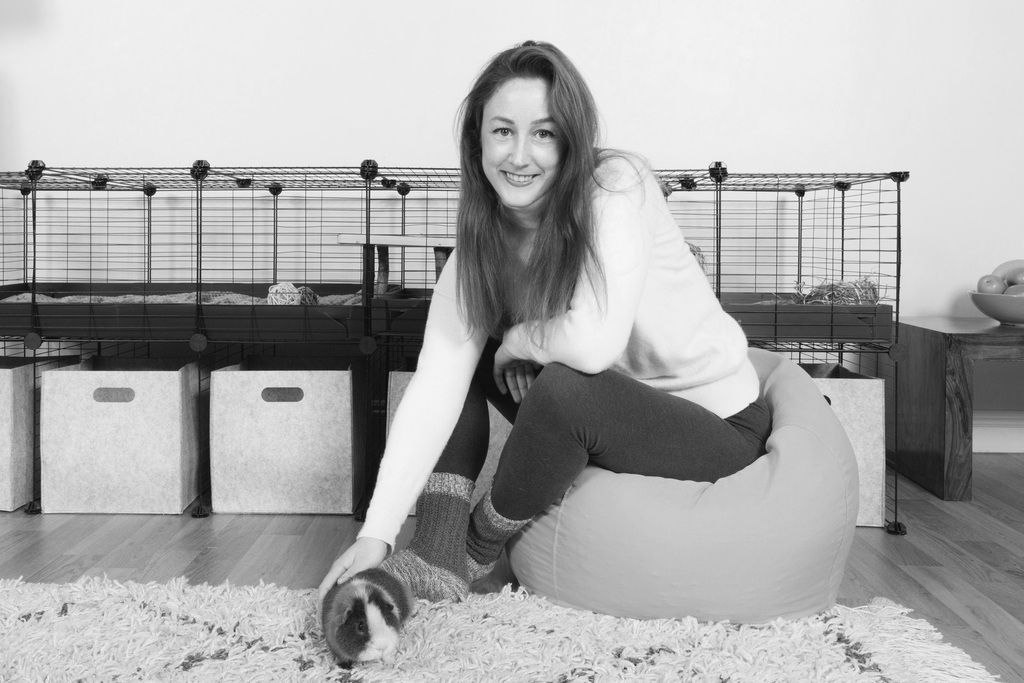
(520, 153)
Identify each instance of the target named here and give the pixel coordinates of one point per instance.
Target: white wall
(929, 86)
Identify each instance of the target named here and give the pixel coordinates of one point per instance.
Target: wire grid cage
(809, 264)
(199, 235)
(206, 225)
(804, 261)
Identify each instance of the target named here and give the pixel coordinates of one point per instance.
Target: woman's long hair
(494, 288)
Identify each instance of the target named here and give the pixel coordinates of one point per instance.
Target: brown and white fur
(362, 617)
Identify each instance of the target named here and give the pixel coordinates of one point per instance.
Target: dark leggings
(569, 419)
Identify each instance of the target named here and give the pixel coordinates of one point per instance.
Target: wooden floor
(960, 566)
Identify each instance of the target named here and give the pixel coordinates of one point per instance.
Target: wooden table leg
(933, 439)
(958, 454)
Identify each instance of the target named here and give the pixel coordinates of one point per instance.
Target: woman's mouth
(518, 180)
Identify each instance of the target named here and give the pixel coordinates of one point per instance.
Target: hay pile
(862, 291)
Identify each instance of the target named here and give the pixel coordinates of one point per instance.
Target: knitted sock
(434, 564)
(488, 532)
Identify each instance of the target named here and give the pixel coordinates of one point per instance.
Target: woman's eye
(503, 132)
(545, 135)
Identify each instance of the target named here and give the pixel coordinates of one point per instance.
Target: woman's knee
(556, 382)
(559, 397)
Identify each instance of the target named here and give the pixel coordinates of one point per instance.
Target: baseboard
(998, 431)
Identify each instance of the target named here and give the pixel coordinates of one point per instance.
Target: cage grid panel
(767, 240)
(117, 233)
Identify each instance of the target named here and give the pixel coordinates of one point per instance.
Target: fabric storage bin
(17, 431)
(120, 435)
(281, 437)
(859, 403)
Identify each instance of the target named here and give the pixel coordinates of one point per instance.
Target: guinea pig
(362, 617)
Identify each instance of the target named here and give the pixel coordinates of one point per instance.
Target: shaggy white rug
(102, 630)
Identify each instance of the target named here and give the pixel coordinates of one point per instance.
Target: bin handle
(114, 395)
(282, 394)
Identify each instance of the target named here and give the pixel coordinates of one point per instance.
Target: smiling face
(521, 149)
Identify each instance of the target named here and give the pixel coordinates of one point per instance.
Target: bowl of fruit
(1000, 295)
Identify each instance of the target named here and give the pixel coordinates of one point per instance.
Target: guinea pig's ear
(340, 605)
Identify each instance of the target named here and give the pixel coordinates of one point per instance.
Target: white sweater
(657, 321)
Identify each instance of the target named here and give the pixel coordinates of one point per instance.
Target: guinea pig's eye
(361, 627)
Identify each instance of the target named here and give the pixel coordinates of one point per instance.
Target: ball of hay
(283, 293)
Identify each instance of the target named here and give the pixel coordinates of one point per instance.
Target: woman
(575, 306)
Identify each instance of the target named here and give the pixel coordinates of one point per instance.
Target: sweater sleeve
(427, 414)
(594, 332)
